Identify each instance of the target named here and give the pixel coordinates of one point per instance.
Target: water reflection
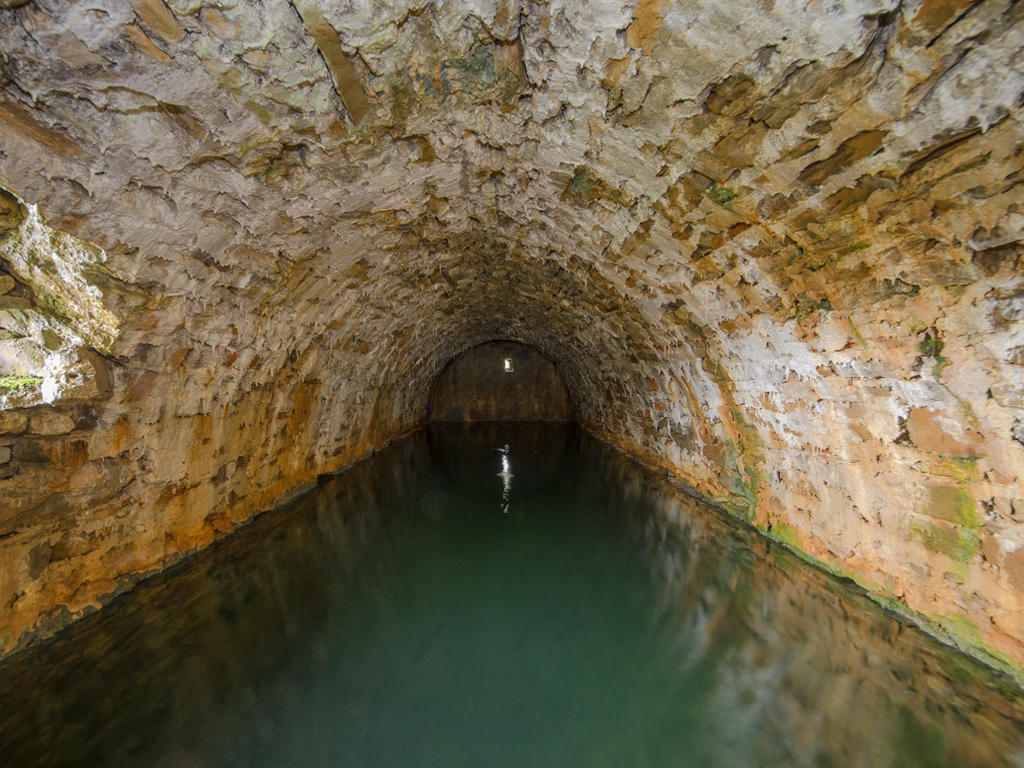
(391, 618)
(506, 478)
(804, 668)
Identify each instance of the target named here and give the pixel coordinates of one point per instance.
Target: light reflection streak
(506, 478)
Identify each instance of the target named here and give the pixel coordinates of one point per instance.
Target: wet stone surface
(502, 595)
(774, 248)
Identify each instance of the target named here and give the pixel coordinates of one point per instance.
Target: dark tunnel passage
(500, 381)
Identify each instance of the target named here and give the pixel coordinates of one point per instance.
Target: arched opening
(499, 381)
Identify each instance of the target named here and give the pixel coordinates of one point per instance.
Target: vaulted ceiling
(772, 246)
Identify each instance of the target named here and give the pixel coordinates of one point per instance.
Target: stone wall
(774, 248)
(499, 381)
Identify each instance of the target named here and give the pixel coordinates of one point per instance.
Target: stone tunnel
(773, 249)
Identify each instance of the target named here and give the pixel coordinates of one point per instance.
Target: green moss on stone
(962, 630)
(953, 504)
(856, 333)
(957, 542)
(898, 287)
(746, 459)
(949, 524)
(930, 347)
(477, 69)
(961, 468)
(957, 631)
(786, 533)
(720, 195)
(805, 306)
(584, 188)
(745, 452)
(19, 381)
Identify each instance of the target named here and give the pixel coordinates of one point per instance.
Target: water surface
(499, 596)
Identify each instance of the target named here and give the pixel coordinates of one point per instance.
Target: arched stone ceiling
(773, 246)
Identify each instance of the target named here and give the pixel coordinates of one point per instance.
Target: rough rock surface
(774, 248)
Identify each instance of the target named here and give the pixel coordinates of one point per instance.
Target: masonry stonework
(774, 247)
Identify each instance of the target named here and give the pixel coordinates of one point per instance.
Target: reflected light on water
(506, 478)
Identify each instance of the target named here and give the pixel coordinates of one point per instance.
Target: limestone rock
(158, 17)
(774, 250)
(931, 430)
(50, 423)
(12, 423)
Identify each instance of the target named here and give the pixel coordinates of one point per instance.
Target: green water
(499, 596)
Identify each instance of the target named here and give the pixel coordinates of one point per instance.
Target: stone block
(141, 40)
(15, 302)
(12, 422)
(159, 19)
(51, 423)
(934, 431)
(86, 380)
